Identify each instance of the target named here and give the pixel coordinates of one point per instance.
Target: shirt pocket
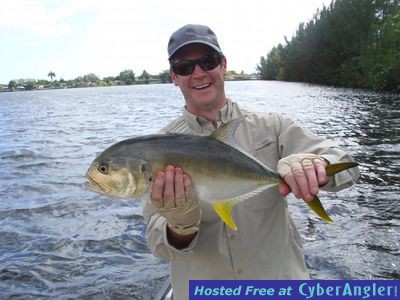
(262, 144)
(266, 151)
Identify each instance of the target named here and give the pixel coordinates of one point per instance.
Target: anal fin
(224, 211)
(224, 207)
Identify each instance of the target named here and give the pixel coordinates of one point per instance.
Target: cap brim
(215, 47)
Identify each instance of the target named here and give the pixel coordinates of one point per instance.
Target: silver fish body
(217, 170)
(222, 174)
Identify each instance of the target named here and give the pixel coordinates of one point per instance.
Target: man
(189, 234)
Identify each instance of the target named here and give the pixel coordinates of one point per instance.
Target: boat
(165, 293)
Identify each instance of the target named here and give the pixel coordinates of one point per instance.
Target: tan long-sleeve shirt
(267, 244)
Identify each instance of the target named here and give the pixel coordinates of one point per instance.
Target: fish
(222, 173)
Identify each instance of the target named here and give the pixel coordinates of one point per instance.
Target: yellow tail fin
(316, 206)
(339, 167)
(224, 208)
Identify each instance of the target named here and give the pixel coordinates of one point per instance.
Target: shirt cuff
(338, 181)
(188, 249)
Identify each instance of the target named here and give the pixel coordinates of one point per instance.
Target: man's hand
(303, 174)
(173, 198)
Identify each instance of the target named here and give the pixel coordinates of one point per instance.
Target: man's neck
(209, 114)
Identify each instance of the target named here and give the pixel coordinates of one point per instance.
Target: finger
(179, 188)
(310, 173)
(321, 171)
(157, 190)
(291, 182)
(187, 183)
(284, 189)
(169, 188)
(303, 185)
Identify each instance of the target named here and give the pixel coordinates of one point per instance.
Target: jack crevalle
(222, 174)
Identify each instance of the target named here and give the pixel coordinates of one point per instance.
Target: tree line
(125, 77)
(351, 43)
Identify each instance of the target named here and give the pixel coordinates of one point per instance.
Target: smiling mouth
(202, 86)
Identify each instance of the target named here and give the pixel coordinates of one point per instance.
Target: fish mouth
(95, 186)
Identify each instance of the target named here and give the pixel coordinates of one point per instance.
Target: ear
(173, 77)
(224, 65)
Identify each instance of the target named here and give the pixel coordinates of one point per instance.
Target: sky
(76, 37)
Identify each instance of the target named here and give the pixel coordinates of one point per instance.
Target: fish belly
(212, 182)
(213, 189)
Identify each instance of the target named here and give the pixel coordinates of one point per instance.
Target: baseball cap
(191, 34)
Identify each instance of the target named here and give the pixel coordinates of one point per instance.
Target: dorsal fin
(226, 133)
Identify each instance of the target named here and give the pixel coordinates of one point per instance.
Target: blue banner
(294, 289)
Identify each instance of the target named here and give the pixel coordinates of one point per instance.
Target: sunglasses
(206, 62)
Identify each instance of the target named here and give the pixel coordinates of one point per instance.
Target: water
(58, 240)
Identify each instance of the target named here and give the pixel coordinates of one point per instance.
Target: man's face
(202, 90)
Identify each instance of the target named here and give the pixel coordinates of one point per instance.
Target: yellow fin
(224, 211)
(316, 206)
(336, 168)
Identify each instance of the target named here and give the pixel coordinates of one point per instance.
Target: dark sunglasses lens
(184, 68)
(209, 62)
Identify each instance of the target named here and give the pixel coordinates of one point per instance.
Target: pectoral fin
(224, 211)
(316, 206)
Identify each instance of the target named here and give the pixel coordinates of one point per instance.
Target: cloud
(22, 17)
(128, 35)
(77, 37)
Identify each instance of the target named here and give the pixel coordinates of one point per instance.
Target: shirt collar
(199, 124)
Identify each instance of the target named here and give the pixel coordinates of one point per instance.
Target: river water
(58, 240)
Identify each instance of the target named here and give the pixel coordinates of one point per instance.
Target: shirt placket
(234, 258)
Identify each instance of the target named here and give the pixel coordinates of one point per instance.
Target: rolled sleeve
(296, 139)
(342, 179)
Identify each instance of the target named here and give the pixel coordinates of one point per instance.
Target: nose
(198, 71)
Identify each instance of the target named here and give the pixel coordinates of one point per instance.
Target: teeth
(202, 86)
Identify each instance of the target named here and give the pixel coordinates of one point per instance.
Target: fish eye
(103, 169)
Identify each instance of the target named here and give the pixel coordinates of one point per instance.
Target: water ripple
(58, 240)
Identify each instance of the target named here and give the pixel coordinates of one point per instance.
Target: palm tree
(51, 75)
(145, 76)
(12, 85)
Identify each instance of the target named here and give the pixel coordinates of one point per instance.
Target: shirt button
(239, 271)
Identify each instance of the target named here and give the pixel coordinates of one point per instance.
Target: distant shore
(23, 85)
